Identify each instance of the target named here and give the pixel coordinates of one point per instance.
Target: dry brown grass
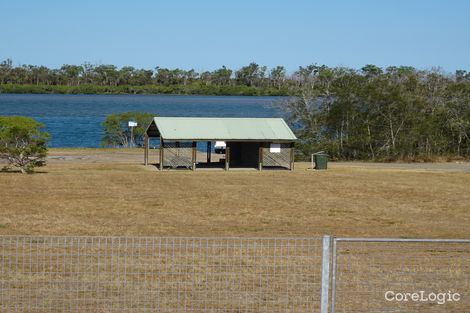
(104, 192)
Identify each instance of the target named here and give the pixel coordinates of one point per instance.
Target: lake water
(75, 120)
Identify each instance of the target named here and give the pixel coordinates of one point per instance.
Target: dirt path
(462, 167)
(136, 156)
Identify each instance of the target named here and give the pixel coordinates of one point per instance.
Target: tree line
(110, 75)
(397, 113)
(252, 79)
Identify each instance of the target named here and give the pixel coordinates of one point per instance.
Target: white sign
(132, 124)
(275, 148)
(220, 144)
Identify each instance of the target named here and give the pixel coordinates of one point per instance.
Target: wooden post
(209, 151)
(161, 153)
(260, 157)
(227, 158)
(146, 149)
(194, 156)
(292, 156)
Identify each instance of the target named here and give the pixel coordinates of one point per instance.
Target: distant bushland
(250, 80)
(397, 113)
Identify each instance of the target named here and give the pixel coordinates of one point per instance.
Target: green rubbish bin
(321, 161)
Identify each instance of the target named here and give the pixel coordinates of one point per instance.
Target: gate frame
(325, 274)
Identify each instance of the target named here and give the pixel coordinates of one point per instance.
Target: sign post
(131, 125)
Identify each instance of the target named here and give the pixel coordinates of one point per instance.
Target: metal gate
(400, 275)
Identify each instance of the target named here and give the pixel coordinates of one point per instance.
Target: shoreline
(142, 94)
(172, 90)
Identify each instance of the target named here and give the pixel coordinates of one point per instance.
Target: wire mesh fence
(277, 159)
(138, 274)
(399, 275)
(175, 274)
(177, 154)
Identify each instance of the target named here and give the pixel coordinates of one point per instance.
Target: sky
(205, 35)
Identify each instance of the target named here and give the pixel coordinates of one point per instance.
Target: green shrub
(22, 143)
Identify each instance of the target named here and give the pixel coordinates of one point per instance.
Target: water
(75, 120)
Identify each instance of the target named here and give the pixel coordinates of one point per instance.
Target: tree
(251, 75)
(309, 111)
(371, 70)
(462, 76)
(278, 76)
(163, 76)
(125, 75)
(305, 75)
(5, 70)
(222, 76)
(117, 133)
(141, 77)
(89, 73)
(107, 75)
(22, 143)
(71, 74)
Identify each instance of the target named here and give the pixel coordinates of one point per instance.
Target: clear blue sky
(205, 35)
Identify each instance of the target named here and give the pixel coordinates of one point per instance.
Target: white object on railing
(275, 148)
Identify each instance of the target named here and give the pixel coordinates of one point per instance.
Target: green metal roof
(211, 128)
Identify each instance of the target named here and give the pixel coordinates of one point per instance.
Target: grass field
(110, 192)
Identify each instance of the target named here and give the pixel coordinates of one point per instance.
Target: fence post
(325, 274)
(333, 278)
